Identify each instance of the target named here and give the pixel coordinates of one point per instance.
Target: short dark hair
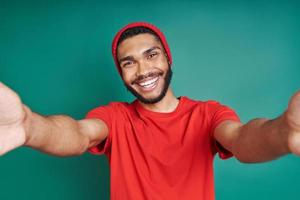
(136, 31)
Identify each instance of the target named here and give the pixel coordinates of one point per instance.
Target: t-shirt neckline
(145, 111)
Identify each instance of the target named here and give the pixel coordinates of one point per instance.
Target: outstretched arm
(58, 135)
(262, 140)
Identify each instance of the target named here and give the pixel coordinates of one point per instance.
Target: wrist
(27, 124)
(285, 131)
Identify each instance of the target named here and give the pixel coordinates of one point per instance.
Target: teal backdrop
(56, 56)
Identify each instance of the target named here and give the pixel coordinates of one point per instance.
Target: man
(158, 146)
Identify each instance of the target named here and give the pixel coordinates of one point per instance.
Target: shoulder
(109, 108)
(208, 107)
(210, 104)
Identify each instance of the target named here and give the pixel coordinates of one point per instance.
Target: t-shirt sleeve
(220, 113)
(103, 113)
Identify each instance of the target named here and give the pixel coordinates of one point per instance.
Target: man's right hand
(12, 120)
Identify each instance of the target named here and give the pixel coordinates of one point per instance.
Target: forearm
(262, 140)
(57, 135)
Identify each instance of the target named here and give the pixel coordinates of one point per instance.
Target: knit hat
(139, 24)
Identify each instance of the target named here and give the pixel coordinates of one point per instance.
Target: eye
(128, 63)
(151, 55)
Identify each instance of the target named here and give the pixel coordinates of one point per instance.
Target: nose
(143, 68)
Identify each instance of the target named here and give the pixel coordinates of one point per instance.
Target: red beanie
(137, 24)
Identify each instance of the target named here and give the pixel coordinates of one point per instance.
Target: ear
(167, 58)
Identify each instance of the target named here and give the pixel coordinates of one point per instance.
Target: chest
(187, 134)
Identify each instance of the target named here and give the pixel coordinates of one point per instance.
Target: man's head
(143, 59)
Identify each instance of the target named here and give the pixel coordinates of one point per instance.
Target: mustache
(141, 77)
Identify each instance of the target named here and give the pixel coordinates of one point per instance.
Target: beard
(167, 81)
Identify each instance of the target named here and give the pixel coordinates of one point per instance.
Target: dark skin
(256, 141)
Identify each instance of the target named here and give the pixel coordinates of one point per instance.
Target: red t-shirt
(161, 156)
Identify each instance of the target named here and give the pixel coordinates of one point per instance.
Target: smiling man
(159, 146)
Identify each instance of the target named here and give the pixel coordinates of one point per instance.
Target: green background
(56, 55)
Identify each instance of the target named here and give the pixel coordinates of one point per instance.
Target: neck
(168, 104)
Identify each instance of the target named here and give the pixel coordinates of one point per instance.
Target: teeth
(149, 83)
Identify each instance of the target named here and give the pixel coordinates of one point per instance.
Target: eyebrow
(151, 49)
(126, 58)
(145, 52)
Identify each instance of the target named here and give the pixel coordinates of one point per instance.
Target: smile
(149, 84)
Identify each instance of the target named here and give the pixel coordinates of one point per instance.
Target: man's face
(145, 69)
